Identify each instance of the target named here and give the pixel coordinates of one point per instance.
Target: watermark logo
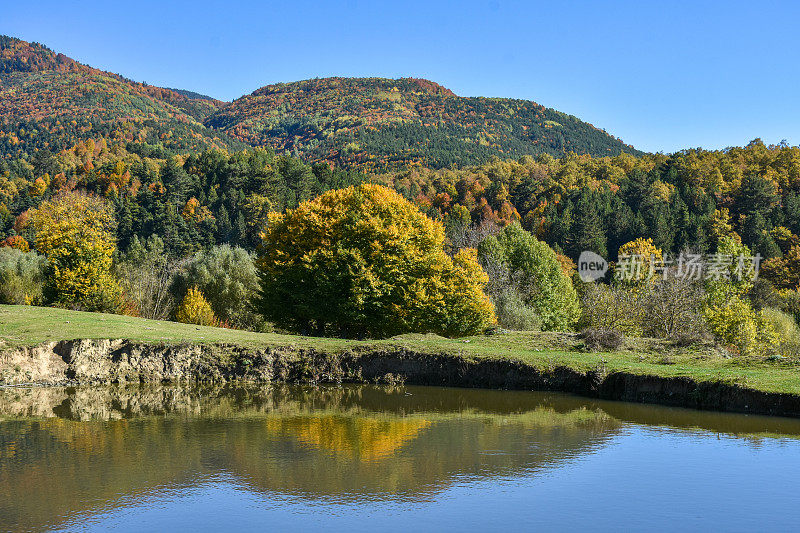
(715, 267)
(591, 266)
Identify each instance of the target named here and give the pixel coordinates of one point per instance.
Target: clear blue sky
(662, 76)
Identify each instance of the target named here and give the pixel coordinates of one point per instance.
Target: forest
(49, 101)
(183, 216)
(375, 124)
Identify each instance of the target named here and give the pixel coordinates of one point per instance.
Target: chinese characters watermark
(636, 267)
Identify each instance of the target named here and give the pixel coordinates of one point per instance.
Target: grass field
(24, 325)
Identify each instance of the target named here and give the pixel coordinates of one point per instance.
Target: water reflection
(73, 452)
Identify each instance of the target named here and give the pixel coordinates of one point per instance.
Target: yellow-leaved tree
(364, 261)
(636, 259)
(195, 309)
(75, 231)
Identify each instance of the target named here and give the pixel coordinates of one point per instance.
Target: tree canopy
(537, 273)
(363, 261)
(75, 232)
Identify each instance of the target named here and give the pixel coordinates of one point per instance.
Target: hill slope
(49, 101)
(374, 123)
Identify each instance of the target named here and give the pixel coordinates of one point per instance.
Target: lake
(359, 458)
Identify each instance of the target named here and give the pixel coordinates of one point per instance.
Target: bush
(619, 308)
(16, 241)
(734, 324)
(763, 294)
(785, 330)
(146, 274)
(513, 313)
(194, 309)
(228, 278)
(673, 310)
(602, 339)
(21, 276)
(729, 315)
(789, 302)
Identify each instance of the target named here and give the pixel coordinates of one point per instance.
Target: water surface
(359, 458)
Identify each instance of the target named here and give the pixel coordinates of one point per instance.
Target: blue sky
(661, 75)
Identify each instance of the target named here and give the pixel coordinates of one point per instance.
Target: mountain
(50, 101)
(377, 123)
(193, 95)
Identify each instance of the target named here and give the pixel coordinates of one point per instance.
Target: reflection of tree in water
(111, 446)
(64, 452)
(364, 438)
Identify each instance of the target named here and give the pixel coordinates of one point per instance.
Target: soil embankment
(121, 361)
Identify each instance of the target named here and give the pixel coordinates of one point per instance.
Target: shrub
(195, 309)
(21, 276)
(789, 302)
(364, 261)
(673, 309)
(16, 241)
(733, 323)
(602, 339)
(228, 278)
(513, 313)
(146, 274)
(619, 308)
(763, 294)
(785, 330)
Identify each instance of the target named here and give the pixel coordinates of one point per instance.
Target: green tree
(537, 273)
(729, 314)
(21, 276)
(228, 279)
(589, 233)
(756, 195)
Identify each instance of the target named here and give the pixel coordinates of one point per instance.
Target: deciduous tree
(363, 261)
(535, 273)
(195, 309)
(75, 232)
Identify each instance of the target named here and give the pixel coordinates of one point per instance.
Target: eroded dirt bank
(120, 361)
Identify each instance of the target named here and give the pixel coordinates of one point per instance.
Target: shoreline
(106, 361)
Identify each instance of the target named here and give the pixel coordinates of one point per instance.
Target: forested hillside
(687, 200)
(684, 201)
(65, 126)
(49, 102)
(191, 202)
(376, 123)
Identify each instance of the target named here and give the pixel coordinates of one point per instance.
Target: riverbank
(55, 347)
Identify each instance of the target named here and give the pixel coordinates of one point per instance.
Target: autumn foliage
(363, 261)
(16, 241)
(377, 123)
(75, 232)
(195, 309)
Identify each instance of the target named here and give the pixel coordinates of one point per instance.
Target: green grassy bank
(28, 326)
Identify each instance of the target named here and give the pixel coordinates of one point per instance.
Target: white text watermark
(634, 267)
